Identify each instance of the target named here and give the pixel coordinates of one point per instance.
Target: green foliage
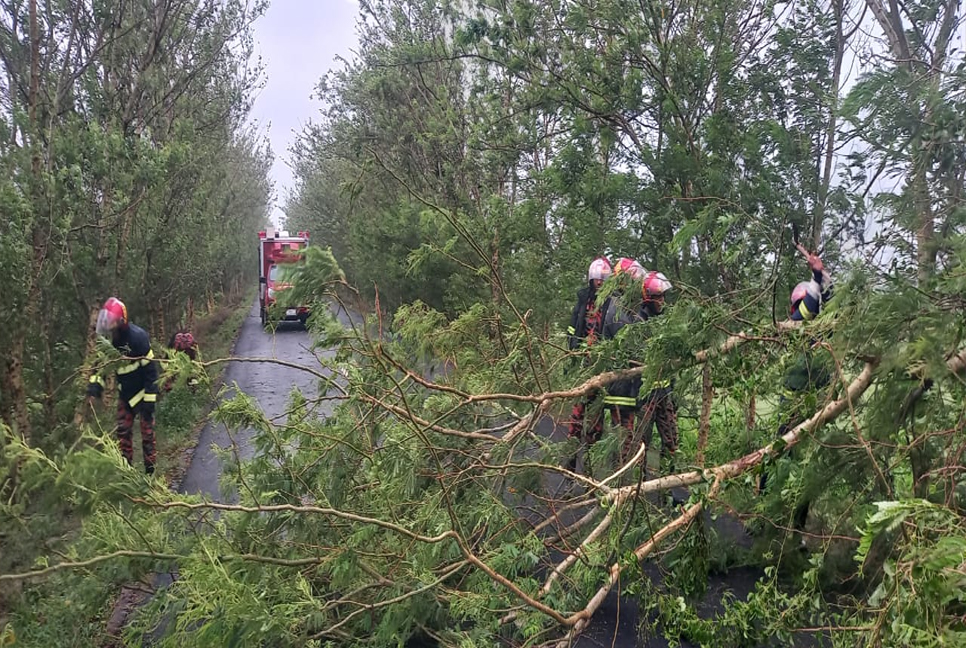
(467, 166)
(920, 598)
(130, 173)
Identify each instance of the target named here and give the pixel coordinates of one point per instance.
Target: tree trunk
(821, 203)
(89, 346)
(13, 385)
(123, 227)
(751, 414)
(14, 379)
(50, 419)
(926, 232)
(704, 424)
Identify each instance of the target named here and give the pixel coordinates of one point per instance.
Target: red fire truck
(276, 250)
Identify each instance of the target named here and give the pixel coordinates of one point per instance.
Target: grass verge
(182, 413)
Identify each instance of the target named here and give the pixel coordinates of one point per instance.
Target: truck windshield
(273, 273)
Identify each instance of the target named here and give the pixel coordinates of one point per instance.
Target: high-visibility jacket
(137, 372)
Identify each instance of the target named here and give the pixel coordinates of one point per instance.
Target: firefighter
(658, 407)
(807, 373)
(622, 395)
(137, 379)
(584, 329)
(184, 342)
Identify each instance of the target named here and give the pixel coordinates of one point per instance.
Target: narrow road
(268, 383)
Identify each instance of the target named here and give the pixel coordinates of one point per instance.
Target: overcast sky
(298, 41)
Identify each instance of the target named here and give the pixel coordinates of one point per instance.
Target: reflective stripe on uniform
(803, 309)
(623, 401)
(97, 380)
(137, 398)
(661, 384)
(571, 330)
(128, 368)
(150, 398)
(135, 365)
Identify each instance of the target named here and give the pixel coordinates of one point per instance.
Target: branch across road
(268, 366)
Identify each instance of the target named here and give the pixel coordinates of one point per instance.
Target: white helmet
(599, 269)
(655, 284)
(630, 267)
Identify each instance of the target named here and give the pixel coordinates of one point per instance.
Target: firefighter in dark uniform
(137, 379)
(808, 373)
(658, 408)
(622, 395)
(184, 342)
(584, 330)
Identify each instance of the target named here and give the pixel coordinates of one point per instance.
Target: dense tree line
(129, 168)
(469, 163)
(490, 150)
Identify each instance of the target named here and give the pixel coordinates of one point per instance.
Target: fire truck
(277, 251)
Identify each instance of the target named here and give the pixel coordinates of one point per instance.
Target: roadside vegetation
(469, 163)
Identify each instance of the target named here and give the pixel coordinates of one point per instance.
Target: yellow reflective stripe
(128, 368)
(97, 380)
(571, 330)
(136, 364)
(803, 309)
(137, 398)
(661, 384)
(150, 398)
(620, 400)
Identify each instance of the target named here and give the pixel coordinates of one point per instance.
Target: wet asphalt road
(616, 622)
(270, 384)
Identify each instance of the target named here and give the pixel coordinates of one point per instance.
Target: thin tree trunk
(704, 424)
(14, 364)
(91, 341)
(13, 386)
(50, 419)
(821, 204)
(751, 414)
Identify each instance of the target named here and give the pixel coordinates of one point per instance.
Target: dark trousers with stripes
(659, 410)
(125, 433)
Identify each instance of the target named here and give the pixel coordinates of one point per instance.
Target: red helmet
(655, 284)
(183, 341)
(113, 316)
(626, 265)
(599, 269)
